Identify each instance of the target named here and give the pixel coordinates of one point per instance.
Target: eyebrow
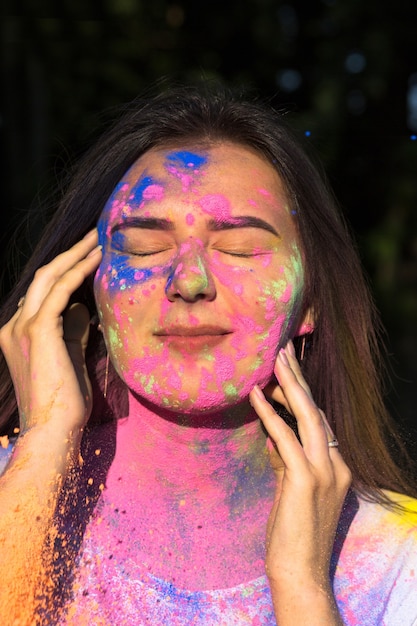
(241, 221)
(156, 223)
(149, 223)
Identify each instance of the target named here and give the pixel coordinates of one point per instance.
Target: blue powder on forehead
(186, 159)
(136, 195)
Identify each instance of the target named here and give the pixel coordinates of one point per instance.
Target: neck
(179, 447)
(196, 488)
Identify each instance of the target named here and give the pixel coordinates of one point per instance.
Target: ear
(307, 324)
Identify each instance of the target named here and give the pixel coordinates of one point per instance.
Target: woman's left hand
(312, 482)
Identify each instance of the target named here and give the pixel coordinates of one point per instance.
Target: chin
(192, 400)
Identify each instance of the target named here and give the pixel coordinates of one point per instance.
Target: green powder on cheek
(114, 339)
(230, 390)
(256, 364)
(277, 288)
(296, 273)
(146, 382)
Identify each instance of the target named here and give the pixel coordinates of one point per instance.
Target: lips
(192, 331)
(186, 339)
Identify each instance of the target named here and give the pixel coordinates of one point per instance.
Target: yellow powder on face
(4, 441)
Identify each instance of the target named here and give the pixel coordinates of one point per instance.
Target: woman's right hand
(45, 348)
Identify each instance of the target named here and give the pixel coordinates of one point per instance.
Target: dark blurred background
(345, 70)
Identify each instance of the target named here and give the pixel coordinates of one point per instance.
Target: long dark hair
(343, 364)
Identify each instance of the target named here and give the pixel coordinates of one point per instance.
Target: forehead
(226, 160)
(223, 174)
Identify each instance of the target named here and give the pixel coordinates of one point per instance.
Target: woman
(141, 488)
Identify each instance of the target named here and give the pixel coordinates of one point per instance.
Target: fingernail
(283, 357)
(94, 251)
(290, 348)
(258, 392)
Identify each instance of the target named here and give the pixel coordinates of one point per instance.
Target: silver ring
(21, 302)
(333, 443)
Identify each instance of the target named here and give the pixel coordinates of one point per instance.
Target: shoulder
(379, 528)
(376, 560)
(398, 520)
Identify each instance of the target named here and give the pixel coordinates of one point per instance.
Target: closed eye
(144, 253)
(244, 243)
(140, 243)
(249, 254)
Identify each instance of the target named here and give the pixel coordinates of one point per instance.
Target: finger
(329, 431)
(288, 446)
(49, 274)
(52, 305)
(273, 390)
(295, 366)
(310, 424)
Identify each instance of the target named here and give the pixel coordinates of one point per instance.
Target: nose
(190, 278)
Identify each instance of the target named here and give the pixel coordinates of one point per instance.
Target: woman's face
(201, 280)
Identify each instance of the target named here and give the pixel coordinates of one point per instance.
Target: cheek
(114, 324)
(114, 309)
(271, 309)
(117, 277)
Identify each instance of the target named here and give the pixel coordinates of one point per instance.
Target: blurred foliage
(345, 71)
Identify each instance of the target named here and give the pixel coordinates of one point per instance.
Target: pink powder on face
(118, 202)
(153, 192)
(185, 247)
(225, 365)
(238, 289)
(270, 305)
(174, 380)
(104, 280)
(286, 296)
(189, 218)
(236, 344)
(117, 313)
(185, 179)
(216, 205)
(178, 269)
(247, 324)
(264, 192)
